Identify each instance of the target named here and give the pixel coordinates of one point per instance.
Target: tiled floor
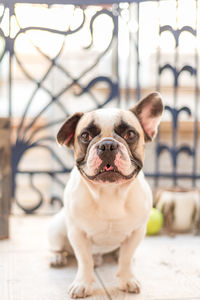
(168, 268)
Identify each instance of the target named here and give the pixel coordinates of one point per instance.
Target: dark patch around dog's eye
(125, 131)
(91, 129)
(121, 128)
(85, 137)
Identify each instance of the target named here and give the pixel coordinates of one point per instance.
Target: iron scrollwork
(28, 129)
(175, 111)
(36, 128)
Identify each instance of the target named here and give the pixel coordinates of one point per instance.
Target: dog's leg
(82, 285)
(58, 259)
(98, 260)
(127, 280)
(58, 241)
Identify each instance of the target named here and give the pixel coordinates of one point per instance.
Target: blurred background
(56, 59)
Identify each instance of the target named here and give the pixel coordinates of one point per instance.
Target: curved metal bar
(161, 147)
(188, 29)
(4, 51)
(93, 82)
(46, 74)
(31, 123)
(166, 28)
(31, 78)
(177, 73)
(185, 109)
(57, 179)
(26, 133)
(55, 98)
(22, 146)
(56, 199)
(60, 67)
(185, 148)
(75, 81)
(189, 69)
(51, 151)
(46, 138)
(65, 33)
(36, 206)
(103, 53)
(61, 106)
(44, 127)
(2, 34)
(174, 152)
(39, 85)
(26, 110)
(101, 12)
(113, 88)
(65, 89)
(175, 113)
(174, 71)
(177, 32)
(3, 13)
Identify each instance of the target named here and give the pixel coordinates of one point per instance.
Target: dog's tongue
(108, 168)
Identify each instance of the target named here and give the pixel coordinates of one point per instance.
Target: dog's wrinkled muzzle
(109, 161)
(107, 150)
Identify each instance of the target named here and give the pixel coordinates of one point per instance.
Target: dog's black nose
(107, 146)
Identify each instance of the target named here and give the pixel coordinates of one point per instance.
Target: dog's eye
(85, 137)
(129, 136)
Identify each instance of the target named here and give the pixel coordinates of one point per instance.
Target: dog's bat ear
(65, 135)
(149, 111)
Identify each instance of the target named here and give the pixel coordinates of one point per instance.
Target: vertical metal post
(196, 107)
(116, 50)
(128, 68)
(115, 56)
(138, 91)
(157, 140)
(174, 138)
(5, 170)
(11, 9)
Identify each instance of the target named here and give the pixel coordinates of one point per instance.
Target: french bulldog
(107, 200)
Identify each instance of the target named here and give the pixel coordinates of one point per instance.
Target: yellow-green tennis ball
(155, 222)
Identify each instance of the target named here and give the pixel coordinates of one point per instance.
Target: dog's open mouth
(107, 168)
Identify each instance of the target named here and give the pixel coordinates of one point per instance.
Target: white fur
(98, 219)
(101, 217)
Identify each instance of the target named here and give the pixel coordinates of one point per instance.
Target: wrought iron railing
(92, 58)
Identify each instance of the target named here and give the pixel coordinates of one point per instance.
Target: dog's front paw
(58, 259)
(80, 289)
(129, 285)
